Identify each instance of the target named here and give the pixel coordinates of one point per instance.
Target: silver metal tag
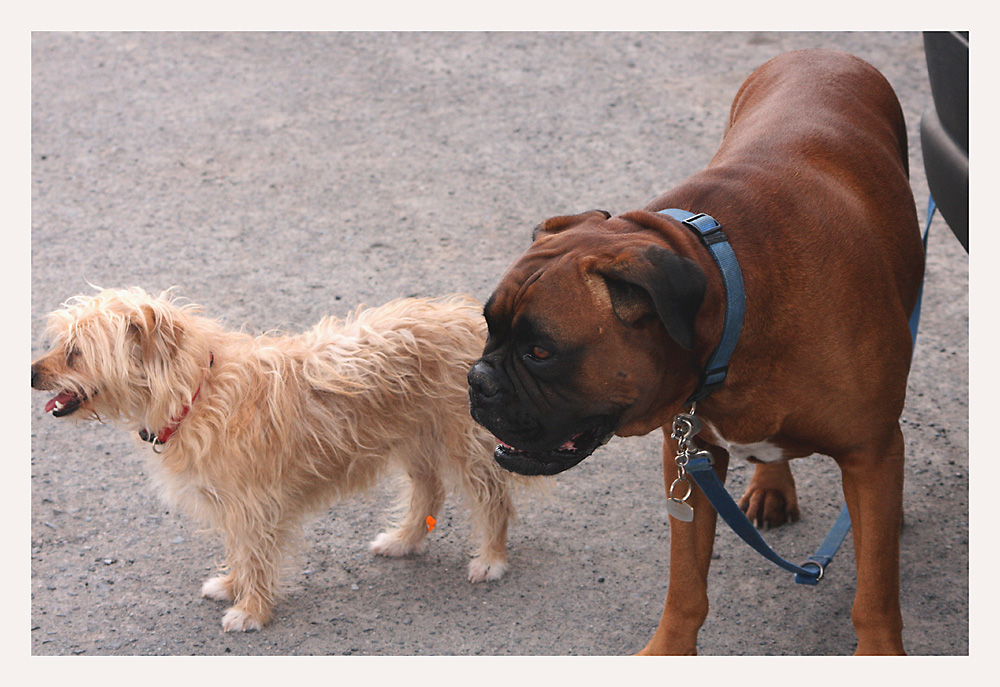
(680, 510)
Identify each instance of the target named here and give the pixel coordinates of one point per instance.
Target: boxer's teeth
(59, 405)
(508, 448)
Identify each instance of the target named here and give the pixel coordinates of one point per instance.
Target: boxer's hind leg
(770, 499)
(690, 555)
(873, 488)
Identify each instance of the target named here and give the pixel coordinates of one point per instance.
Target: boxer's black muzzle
(529, 442)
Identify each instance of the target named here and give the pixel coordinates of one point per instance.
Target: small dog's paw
(238, 620)
(216, 588)
(392, 545)
(481, 570)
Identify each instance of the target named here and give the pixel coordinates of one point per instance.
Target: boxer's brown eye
(539, 353)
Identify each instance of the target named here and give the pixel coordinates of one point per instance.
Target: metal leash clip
(686, 426)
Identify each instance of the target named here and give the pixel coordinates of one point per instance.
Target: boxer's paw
(770, 498)
(769, 508)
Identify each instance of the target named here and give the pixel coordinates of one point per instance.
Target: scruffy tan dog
(253, 434)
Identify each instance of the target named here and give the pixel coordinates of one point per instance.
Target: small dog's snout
(34, 376)
(482, 379)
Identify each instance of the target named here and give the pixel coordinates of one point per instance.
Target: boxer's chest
(763, 451)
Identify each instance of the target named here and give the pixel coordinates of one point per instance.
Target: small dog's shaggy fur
(256, 433)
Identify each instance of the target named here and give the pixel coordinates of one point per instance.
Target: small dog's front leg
(248, 614)
(219, 588)
(492, 509)
(254, 557)
(254, 586)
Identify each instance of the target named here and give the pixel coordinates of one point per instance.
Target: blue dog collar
(710, 232)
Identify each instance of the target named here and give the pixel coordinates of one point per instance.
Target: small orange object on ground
(430, 523)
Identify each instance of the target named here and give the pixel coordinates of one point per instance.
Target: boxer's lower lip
(526, 464)
(567, 447)
(569, 453)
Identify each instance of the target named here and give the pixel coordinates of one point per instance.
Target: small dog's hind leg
(423, 497)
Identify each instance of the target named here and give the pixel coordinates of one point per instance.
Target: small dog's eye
(71, 356)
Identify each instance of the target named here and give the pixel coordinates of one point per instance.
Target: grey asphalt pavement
(275, 178)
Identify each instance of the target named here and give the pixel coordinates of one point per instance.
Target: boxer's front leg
(690, 555)
(873, 488)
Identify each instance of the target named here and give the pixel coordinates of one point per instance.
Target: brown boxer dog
(604, 325)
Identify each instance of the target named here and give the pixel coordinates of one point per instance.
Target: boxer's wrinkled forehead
(497, 317)
(544, 307)
(523, 331)
(502, 312)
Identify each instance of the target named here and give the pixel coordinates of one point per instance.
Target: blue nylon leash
(699, 464)
(704, 476)
(915, 316)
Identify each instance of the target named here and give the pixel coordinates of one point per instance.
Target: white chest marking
(763, 451)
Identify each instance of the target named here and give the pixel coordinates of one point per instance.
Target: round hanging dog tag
(680, 510)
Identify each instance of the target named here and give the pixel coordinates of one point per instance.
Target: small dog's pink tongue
(62, 399)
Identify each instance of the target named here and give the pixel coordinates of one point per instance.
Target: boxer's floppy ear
(657, 281)
(554, 225)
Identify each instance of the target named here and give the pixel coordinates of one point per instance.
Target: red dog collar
(168, 431)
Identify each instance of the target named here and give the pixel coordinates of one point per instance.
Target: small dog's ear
(656, 281)
(159, 335)
(554, 225)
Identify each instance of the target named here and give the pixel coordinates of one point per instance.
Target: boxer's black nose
(482, 379)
